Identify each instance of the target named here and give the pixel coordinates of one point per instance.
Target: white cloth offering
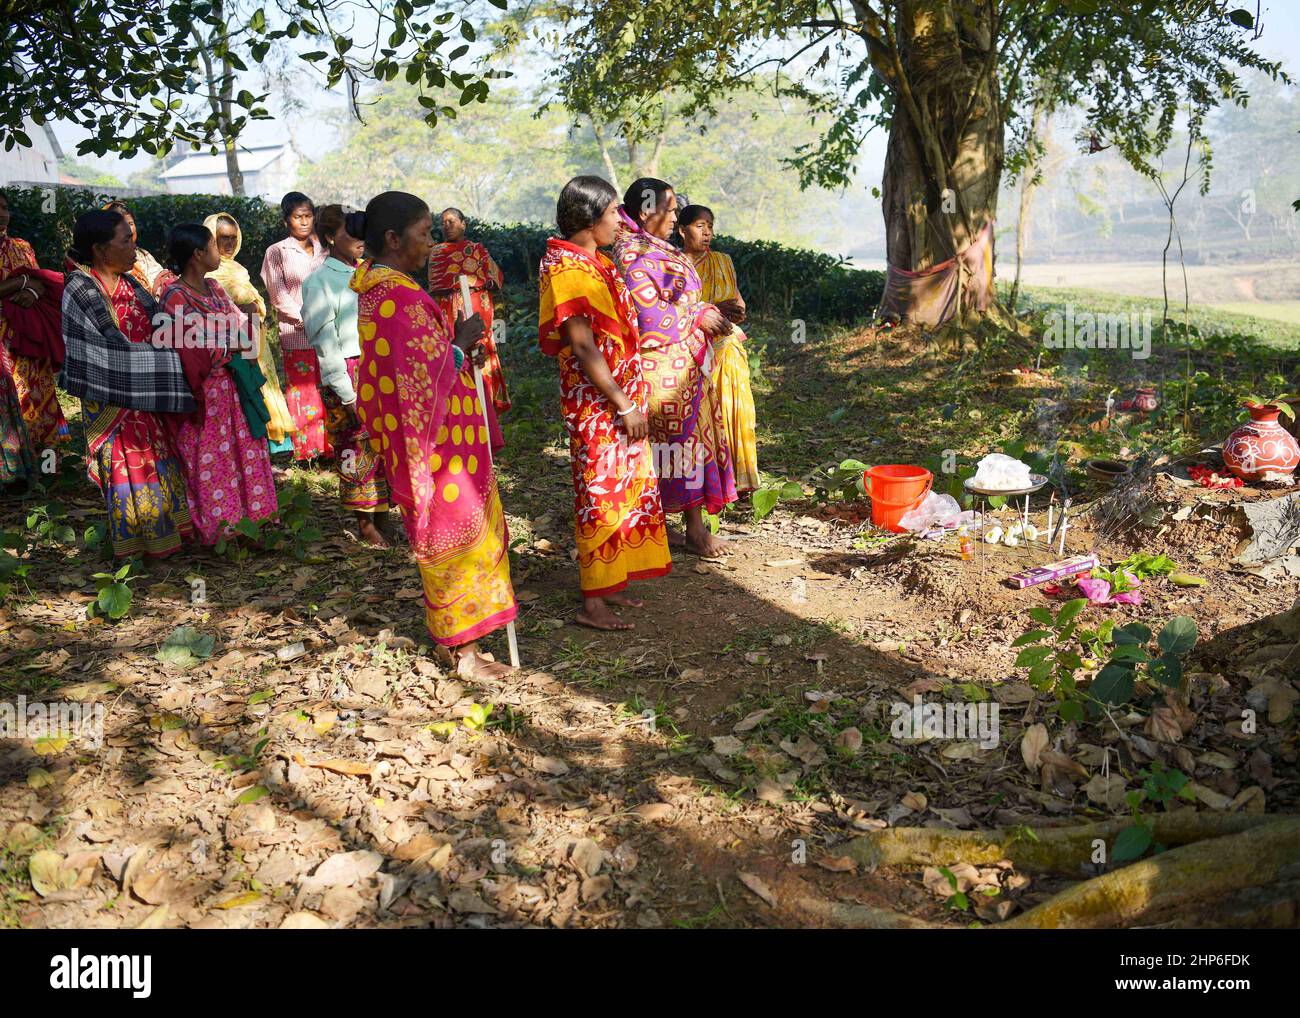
(996, 472)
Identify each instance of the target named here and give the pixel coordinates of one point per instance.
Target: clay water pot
(1261, 449)
(1107, 472)
(1146, 400)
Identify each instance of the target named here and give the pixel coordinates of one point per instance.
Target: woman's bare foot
(369, 532)
(472, 665)
(596, 614)
(700, 540)
(676, 539)
(625, 600)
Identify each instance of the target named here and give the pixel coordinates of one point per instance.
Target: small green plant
(957, 901)
(1050, 655)
(114, 598)
(1143, 566)
(48, 525)
(1115, 683)
(1161, 787)
(765, 498)
(1282, 402)
(290, 528)
(1052, 665)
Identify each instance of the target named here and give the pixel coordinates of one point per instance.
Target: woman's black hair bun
(355, 224)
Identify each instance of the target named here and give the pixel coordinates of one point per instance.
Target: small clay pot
(1107, 471)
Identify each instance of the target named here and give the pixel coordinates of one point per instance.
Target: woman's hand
(354, 420)
(220, 357)
(733, 310)
(468, 331)
(23, 298)
(35, 284)
(635, 424)
(479, 356)
(713, 323)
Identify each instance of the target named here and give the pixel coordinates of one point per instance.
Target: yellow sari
(235, 280)
(731, 377)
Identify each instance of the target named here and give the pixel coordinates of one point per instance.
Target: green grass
(1271, 323)
(1272, 310)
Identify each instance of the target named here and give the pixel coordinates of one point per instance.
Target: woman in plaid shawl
(133, 395)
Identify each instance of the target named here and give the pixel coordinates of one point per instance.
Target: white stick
(511, 639)
(1050, 506)
(1065, 509)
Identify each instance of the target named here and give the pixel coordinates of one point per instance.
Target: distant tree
(84, 173)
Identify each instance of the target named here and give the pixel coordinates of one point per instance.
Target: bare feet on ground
(596, 614)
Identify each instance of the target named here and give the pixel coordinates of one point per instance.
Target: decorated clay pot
(1261, 449)
(1146, 399)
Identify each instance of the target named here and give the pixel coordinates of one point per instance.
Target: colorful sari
(360, 468)
(425, 419)
(618, 520)
(447, 264)
(676, 359)
(17, 460)
(234, 278)
(284, 267)
(227, 470)
(731, 379)
(33, 359)
(132, 459)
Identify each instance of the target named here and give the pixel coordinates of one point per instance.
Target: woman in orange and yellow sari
(731, 376)
(458, 256)
(588, 324)
(31, 335)
(417, 400)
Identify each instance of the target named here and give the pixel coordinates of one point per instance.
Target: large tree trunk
(944, 160)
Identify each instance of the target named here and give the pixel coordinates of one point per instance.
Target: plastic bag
(996, 472)
(935, 510)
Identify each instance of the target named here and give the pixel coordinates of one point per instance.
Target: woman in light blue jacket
(329, 314)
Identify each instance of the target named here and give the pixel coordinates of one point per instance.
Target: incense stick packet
(1071, 566)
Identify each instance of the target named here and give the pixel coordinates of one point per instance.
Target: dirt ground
(322, 767)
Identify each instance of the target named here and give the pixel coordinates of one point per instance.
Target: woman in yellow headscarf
(235, 280)
(731, 379)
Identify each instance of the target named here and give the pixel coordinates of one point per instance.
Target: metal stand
(982, 496)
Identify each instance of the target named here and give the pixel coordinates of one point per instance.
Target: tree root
(852, 916)
(1173, 880)
(1062, 850)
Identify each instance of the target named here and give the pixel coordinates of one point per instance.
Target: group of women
(389, 371)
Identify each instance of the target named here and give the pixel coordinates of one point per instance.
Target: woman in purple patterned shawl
(686, 427)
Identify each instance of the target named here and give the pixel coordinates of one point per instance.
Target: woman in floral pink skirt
(223, 445)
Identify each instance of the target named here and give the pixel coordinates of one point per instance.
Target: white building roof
(251, 160)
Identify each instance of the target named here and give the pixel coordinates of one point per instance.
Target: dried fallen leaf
(343, 766)
(49, 874)
(756, 885)
(550, 765)
(1032, 745)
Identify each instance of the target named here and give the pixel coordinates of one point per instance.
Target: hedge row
(776, 281)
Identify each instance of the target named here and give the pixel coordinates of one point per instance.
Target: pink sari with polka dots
(426, 422)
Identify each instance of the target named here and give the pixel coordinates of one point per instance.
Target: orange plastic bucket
(895, 489)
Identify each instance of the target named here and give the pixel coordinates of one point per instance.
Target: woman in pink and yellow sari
(417, 400)
(677, 329)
